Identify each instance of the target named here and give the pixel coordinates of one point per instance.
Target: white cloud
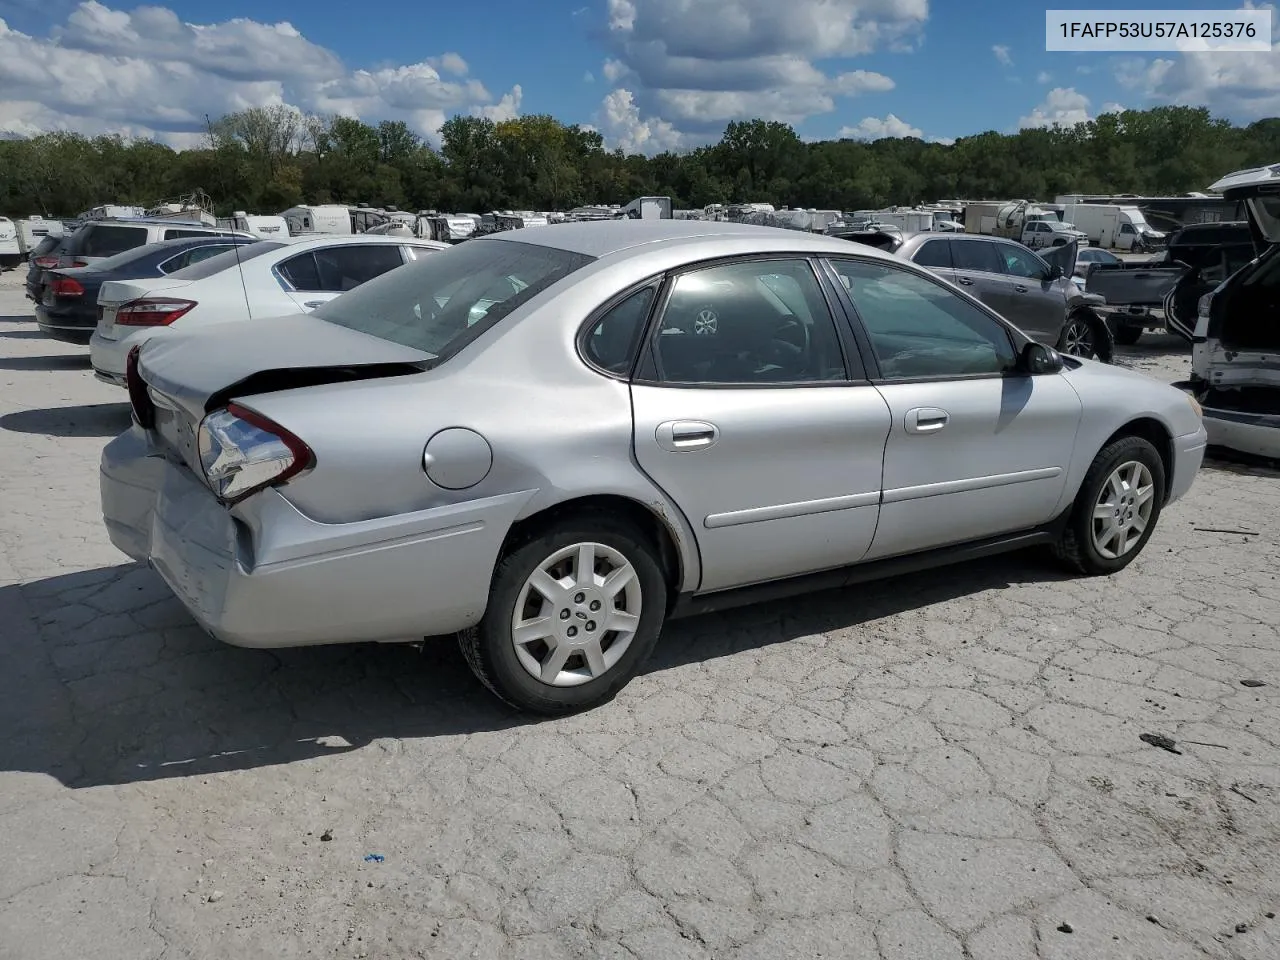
(1062, 106)
(1242, 86)
(699, 65)
(619, 122)
(1002, 55)
(874, 128)
(1044, 77)
(148, 73)
(1112, 107)
(588, 77)
(508, 108)
(945, 141)
(450, 63)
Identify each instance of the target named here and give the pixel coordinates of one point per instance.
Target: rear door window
(977, 255)
(934, 253)
(106, 240)
(345, 268)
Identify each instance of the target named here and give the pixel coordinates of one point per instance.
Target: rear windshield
(128, 257)
(442, 302)
(106, 240)
(223, 261)
(46, 246)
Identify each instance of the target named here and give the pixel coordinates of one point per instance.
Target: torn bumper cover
(1247, 422)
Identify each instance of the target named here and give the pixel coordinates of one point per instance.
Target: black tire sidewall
(510, 680)
(1111, 457)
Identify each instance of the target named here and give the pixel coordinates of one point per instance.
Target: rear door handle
(679, 436)
(1020, 288)
(965, 282)
(926, 419)
(312, 304)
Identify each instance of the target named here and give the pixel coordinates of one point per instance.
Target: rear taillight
(66, 287)
(144, 409)
(1204, 305)
(152, 312)
(46, 263)
(241, 452)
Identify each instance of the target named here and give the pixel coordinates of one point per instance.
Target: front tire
(1116, 510)
(572, 616)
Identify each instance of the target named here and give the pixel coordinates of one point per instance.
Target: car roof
(330, 239)
(602, 238)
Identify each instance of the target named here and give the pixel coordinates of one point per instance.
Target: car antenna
(244, 288)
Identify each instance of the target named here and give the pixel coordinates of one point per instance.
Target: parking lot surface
(933, 768)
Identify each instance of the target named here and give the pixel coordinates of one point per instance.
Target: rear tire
(558, 637)
(1116, 510)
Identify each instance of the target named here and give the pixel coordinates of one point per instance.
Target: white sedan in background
(267, 279)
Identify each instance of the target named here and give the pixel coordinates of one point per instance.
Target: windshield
(442, 302)
(224, 261)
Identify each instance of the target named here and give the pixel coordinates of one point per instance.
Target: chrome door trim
(899, 494)
(785, 511)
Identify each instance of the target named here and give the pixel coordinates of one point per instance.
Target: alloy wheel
(1123, 509)
(576, 614)
(1077, 339)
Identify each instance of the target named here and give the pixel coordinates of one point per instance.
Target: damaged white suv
(1235, 359)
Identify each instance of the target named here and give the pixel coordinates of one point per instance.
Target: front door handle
(679, 436)
(1020, 288)
(926, 419)
(312, 304)
(965, 282)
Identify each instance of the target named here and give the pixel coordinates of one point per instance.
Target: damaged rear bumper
(1252, 432)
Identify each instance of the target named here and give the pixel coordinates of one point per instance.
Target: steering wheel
(785, 349)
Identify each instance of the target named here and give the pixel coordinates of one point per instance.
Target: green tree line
(266, 159)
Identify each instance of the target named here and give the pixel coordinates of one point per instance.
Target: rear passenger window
(175, 233)
(345, 268)
(301, 272)
(934, 253)
(613, 340)
(976, 255)
(752, 323)
(106, 240)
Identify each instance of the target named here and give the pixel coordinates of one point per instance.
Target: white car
(267, 279)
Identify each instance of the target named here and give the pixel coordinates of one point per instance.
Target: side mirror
(1037, 358)
(1055, 272)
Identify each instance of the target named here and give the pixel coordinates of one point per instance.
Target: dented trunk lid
(199, 370)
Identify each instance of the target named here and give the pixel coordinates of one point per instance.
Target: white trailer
(268, 228)
(328, 218)
(33, 229)
(10, 252)
(649, 208)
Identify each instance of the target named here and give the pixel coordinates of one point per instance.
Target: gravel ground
(944, 767)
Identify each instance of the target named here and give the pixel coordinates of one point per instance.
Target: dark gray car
(1033, 292)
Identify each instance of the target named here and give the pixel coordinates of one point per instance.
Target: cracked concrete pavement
(941, 767)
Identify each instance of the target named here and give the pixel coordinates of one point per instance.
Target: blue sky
(650, 74)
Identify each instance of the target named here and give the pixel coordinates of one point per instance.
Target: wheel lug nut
(595, 605)
(578, 597)
(572, 631)
(564, 614)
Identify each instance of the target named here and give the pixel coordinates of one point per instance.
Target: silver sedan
(552, 440)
